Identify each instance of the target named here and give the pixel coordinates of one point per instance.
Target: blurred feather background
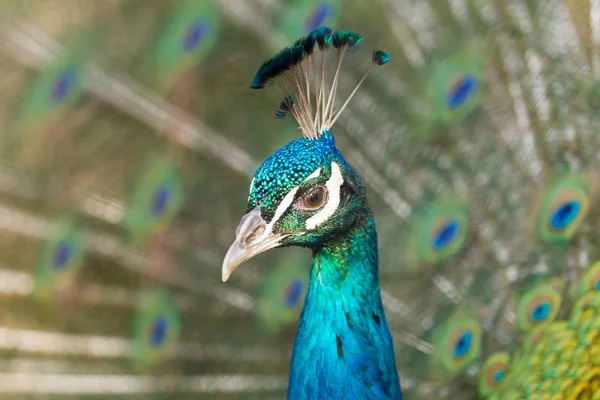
(129, 137)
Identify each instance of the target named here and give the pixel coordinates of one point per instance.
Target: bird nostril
(255, 234)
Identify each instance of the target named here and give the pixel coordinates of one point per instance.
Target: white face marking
(333, 198)
(315, 174)
(284, 205)
(251, 187)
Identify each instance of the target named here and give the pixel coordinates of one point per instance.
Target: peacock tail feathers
(60, 258)
(57, 89)
(478, 145)
(437, 231)
(155, 199)
(157, 327)
(537, 306)
(188, 37)
(493, 373)
(296, 18)
(458, 342)
(555, 358)
(281, 297)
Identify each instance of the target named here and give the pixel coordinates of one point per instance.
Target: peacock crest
(299, 72)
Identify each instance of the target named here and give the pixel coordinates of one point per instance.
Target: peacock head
(305, 194)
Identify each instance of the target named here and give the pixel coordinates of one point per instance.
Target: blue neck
(343, 349)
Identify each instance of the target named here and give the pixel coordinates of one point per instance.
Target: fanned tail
(492, 197)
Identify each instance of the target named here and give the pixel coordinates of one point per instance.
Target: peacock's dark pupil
(540, 313)
(293, 292)
(318, 17)
(445, 235)
(63, 84)
(463, 345)
(597, 286)
(158, 332)
(62, 255)
(314, 198)
(565, 214)
(160, 201)
(194, 35)
(461, 91)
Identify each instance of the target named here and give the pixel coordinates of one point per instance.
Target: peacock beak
(253, 236)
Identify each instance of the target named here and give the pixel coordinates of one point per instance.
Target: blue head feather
(307, 43)
(380, 57)
(322, 36)
(288, 167)
(348, 39)
(283, 61)
(291, 56)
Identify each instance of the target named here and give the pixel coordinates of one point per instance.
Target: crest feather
(295, 71)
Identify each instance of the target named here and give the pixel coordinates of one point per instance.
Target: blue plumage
(306, 194)
(307, 43)
(323, 36)
(348, 39)
(344, 349)
(272, 68)
(287, 167)
(303, 47)
(380, 57)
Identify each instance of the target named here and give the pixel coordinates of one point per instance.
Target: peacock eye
(313, 199)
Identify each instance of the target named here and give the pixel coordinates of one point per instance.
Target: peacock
(307, 195)
(131, 131)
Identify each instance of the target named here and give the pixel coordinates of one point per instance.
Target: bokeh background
(129, 136)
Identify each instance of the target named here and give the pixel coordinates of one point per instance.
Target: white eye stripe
(284, 205)
(315, 174)
(251, 187)
(333, 198)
